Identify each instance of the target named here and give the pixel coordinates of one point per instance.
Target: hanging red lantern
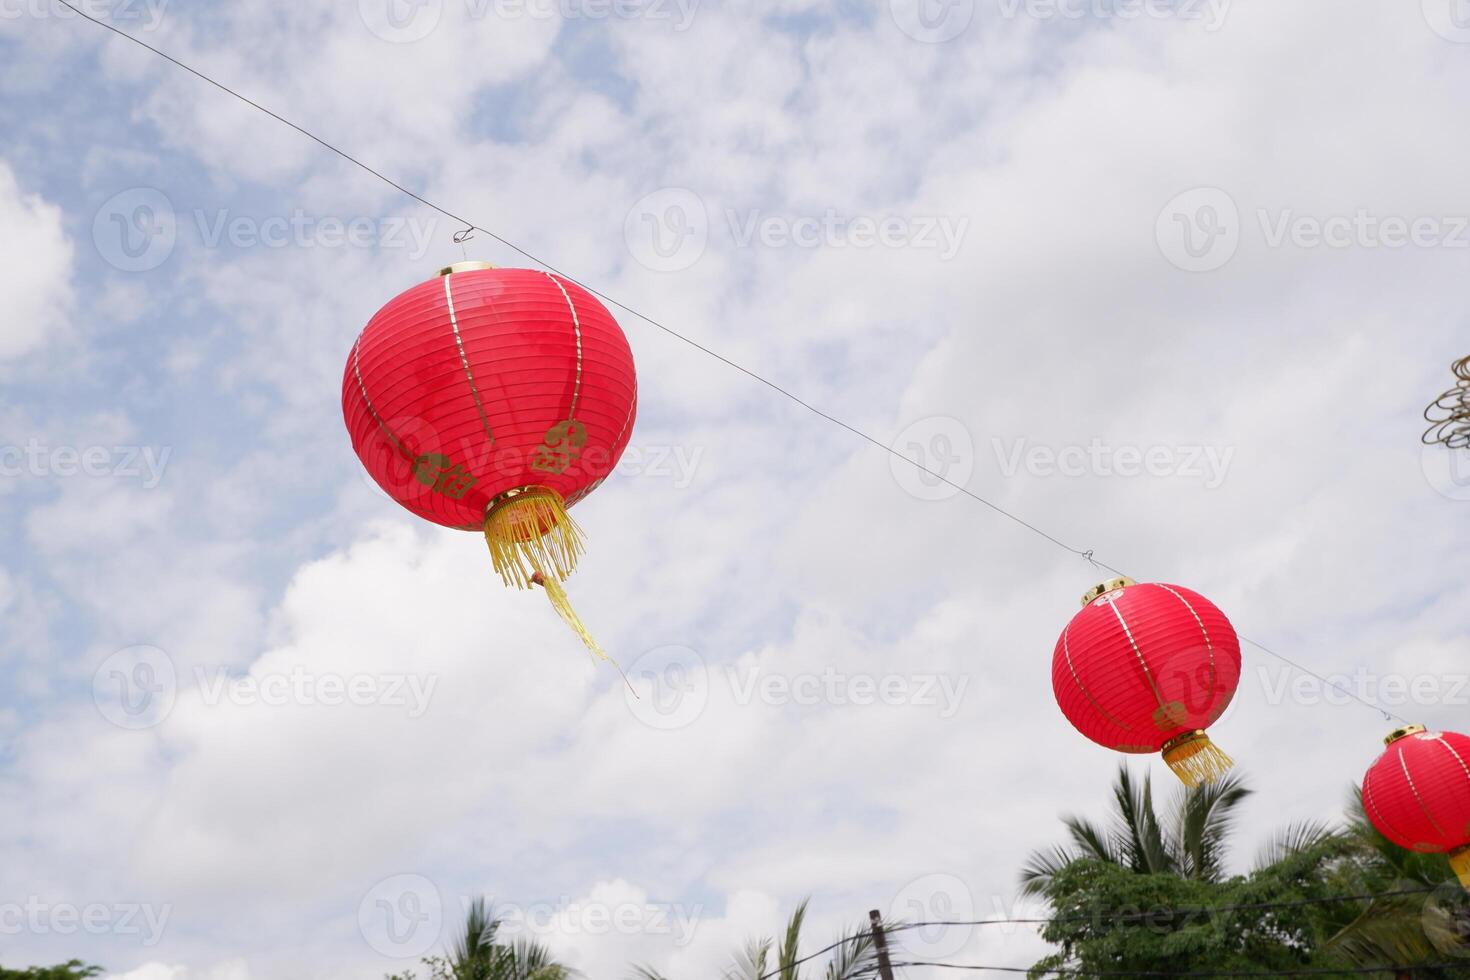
(1147, 668)
(1418, 794)
(493, 400)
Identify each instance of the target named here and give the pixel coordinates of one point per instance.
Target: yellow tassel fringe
(531, 534)
(533, 541)
(1196, 760)
(563, 607)
(1460, 861)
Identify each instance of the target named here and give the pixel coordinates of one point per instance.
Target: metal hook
(460, 237)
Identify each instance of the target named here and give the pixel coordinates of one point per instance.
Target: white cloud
(794, 553)
(35, 269)
(163, 971)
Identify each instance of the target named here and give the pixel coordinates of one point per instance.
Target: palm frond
(1204, 817)
(526, 959)
(642, 971)
(856, 956)
(1294, 839)
(1138, 833)
(1093, 842)
(472, 954)
(750, 962)
(1041, 867)
(1384, 934)
(787, 954)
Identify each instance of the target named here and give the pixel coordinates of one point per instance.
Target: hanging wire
(460, 237)
(1085, 554)
(1172, 913)
(1119, 917)
(1450, 412)
(1336, 971)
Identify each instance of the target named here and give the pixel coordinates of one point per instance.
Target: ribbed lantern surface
(485, 381)
(1418, 794)
(1147, 668)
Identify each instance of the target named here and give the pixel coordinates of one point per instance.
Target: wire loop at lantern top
(1450, 412)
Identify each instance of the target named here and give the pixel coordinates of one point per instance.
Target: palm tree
(1424, 927)
(476, 955)
(852, 956)
(1190, 842)
(1431, 924)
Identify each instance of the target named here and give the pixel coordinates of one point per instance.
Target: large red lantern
(1147, 668)
(492, 400)
(1418, 794)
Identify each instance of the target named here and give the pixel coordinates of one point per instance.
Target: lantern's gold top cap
(1103, 588)
(1404, 732)
(464, 267)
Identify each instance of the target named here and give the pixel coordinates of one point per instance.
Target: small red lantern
(1147, 668)
(1418, 794)
(492, 400)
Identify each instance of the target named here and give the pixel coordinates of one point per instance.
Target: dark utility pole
(880, 941)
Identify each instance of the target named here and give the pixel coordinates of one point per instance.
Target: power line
(863, 934)
(1173, 913)
(1086, 554)
(1299, 972)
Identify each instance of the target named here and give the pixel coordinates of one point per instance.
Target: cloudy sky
(1172, 281)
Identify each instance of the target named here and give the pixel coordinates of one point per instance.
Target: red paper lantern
(492, 400)
(1147, 668)
(1418, 794)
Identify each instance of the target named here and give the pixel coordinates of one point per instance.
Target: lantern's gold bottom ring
(1195, 759)
(521, 493)
(529, 532)
(1178, 741)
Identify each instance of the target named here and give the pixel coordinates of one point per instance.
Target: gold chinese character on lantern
(443, 475)
(562, 445)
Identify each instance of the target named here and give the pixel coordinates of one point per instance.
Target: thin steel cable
(1147, 916)
(1114, 918)
(1084, 553)
(1300, 972)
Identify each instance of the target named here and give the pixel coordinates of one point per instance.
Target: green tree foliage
(70, 970)
(477, 954)
(1428, 925)
(854, 956)
(1117, 891)
(1109, 918)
